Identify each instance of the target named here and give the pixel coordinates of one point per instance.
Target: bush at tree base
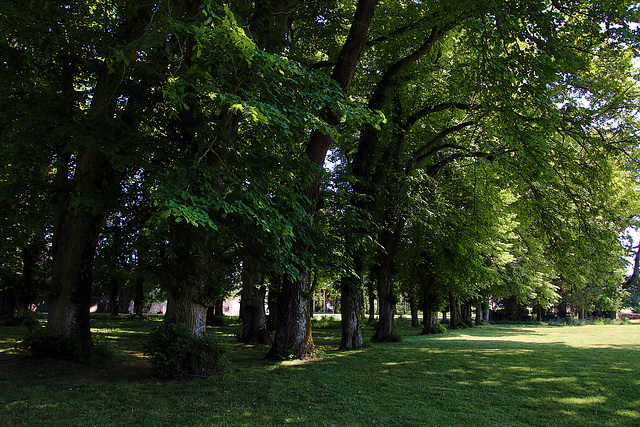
(176, 353)
(40, 343)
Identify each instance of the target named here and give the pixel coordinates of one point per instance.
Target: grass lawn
(491, 375)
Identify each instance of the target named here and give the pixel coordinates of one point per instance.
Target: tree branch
(430, 147)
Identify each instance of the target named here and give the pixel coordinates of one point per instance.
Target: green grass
(491, 375)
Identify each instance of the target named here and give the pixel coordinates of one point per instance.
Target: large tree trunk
(189, 279)
(293, 326)
(386, 305)
(293, 329)
(351, 291)
(386, 291)
(73, 253)
(272, 302)
(429, 300)
(81, 202)
(189, 311)
(254, 319)
(454, 309)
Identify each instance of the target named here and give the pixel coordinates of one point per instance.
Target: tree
(452, 85)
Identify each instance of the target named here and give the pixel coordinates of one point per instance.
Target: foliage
(176, 353)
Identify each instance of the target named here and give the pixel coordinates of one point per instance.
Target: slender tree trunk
(254, 319)
(372, 301)
(415, 322)
(455, 311)
(114, 298)
(138, 298)
(272, 303)
(351, 292)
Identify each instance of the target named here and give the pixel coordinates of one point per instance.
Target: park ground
(500, 374)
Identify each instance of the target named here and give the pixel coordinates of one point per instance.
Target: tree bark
(190, 269)
(465, 313)
(293, 332)
(351, 291)
(72, 275)
(189, 311)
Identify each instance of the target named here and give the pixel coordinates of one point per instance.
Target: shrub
(176, 353)
(439, 328)
(42, 344)
(218, 320)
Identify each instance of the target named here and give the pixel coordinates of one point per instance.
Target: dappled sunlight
(135, 354)
(628, 413)
(553, 380)
(589, 400)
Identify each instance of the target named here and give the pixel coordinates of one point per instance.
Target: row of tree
(454, 151)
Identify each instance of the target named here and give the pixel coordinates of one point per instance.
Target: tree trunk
(372, 301)
(465, 313)
(74, 250)
(386, 292)
(429, 300)
(188, 311)
(429, 320)
(190, 269)
(562, 309)
(351, 292)
(81, 202)
(254, 319)
(293, 331)
(293, 326)
(454, 309)
(139, 295)
(272, 303)
(114, 298)
(415, 321)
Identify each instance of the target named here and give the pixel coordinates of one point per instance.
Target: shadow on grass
(480, 376)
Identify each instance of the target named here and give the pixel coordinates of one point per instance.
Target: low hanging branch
(431, 147)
